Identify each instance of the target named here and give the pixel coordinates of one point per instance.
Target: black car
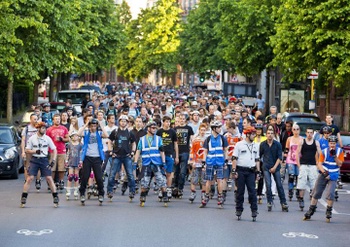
(297, 117)
(10, 150)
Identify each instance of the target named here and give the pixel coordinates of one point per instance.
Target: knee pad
(76, 177)
(70, 177)
(291, 178)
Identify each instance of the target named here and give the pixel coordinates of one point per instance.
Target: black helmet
(93, 121)
(327, 129)
(333, 138)
(46, 105)
(259, 126)
(151, 123)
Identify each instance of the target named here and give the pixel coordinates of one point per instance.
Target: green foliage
(152, 41)
(313, 34)
(245, 27)
(201, 46)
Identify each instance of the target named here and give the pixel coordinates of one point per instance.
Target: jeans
(181, 171)
(93, 163)
(280, 190)
(116, 166)
(246, 177)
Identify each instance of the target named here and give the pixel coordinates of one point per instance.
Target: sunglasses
(153, 127)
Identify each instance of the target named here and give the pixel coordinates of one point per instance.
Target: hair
(273, 128)
(203, 125)
(109, 116)
(166, 118)
(56, 115)
(69, 101)
(232, 125)
(289, 122)
(248, 120)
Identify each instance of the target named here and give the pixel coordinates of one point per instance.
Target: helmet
(259, 126)
(327, 129)
(249, 130)
(123, 117)
(46, 105)
(215, 124)
(40, 124)
(151, 123)
(195, 112)
(93, 121)
(333, 138)
(73, 133)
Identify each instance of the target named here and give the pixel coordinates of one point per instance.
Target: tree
(313, 35)
(153, 40)
(245, 27)
(201, 46)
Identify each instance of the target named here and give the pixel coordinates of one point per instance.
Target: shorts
(59, 162)
(198, 176)
(169, 164)
(37, 164)
(209, 172)
(307, 173)
(227, 171)
(293, 169)
(323, 184)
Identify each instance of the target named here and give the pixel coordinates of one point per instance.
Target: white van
(77, 97)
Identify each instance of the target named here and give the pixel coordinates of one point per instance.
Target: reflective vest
(215, 154)
(150, 154)
(330, 165)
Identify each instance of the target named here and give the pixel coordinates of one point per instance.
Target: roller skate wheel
(55, 205)
(301, 209)
(254, 219)
(76, 198)
(202, 205)
(159, 199)
(83, 203)
(22, 205)
(67, 198)
(100, 203)
(220, 206)
(191, 202)
(328, 220)
(180, 197)
(130, 199)
(142, 204)
(165, 204)
(238, 217)
(89, 196)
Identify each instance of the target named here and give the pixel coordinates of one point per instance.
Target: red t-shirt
(58, 131)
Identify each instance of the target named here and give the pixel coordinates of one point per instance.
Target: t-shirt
(55, 132)
(168, 138)
(28, 131)
(335, 129)
(121, 140)
(184, 134)
(92, 147)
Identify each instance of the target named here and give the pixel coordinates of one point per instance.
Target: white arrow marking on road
(299, 234)
(35, 233)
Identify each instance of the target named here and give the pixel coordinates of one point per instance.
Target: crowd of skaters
(214, 141)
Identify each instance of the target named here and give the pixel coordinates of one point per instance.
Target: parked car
(56, 107)
(10, 149)
(345, 168)
(90, 87)
(304, 120)
(77, 96)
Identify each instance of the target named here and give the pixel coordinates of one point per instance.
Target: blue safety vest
(215, 154)
(150, 154)
(330, 165)
(86, 142)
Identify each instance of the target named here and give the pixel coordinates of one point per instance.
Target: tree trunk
(9, 109)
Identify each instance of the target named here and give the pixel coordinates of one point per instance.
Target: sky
(135, 6)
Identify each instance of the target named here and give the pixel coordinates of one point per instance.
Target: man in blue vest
(215, 156)
(329, 163)
(92, 156)
(150, 147)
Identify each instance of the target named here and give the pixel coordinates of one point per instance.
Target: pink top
(293, 148)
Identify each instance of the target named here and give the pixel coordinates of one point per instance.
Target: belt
(39, 157)
(243, 168)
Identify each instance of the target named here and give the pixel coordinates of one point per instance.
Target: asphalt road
(121, 223)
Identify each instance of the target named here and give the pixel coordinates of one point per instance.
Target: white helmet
(123, 117)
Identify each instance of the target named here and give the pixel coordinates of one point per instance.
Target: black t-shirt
(168, 138)
(121, 140)
(184, 134)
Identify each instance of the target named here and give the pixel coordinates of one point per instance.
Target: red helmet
(40, 124)
(249, 130)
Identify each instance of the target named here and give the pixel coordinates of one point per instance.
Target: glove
(38, 151)
(226, 162)
(134, 166)
(332, 152)
(65, 163)
(51, 164)
(80, 165)
(234, 173)
(326, 175)
(258, 175)
(203, 164)
(132, 155)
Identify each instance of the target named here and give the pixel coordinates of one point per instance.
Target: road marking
(35, 233)
(299, 234)
(324, 203)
